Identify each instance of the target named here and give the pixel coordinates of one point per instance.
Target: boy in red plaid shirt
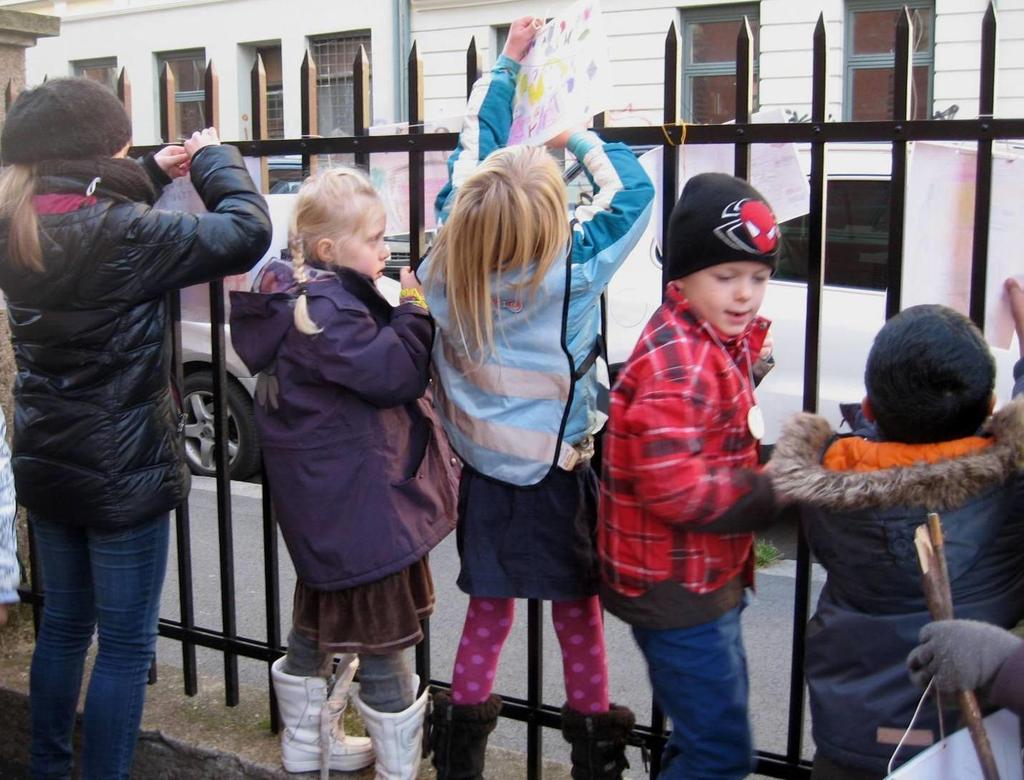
(681, 492)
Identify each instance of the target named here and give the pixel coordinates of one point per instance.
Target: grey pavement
(767, 625)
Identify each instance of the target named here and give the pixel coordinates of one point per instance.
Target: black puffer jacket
(97, 441)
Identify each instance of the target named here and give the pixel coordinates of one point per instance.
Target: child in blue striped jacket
(515, 293)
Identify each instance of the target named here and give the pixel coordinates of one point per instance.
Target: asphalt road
(767, 625)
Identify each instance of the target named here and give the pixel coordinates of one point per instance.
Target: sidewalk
(198, 737)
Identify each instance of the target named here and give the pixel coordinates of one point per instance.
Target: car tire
(243, 441)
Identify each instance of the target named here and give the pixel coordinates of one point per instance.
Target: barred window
(189, 70)
(102, 70)
(709, 61)
(871, 57)
(333, 56)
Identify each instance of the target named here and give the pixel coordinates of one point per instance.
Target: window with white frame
(709, 60)
(871, 59)
(334, 56)
(189, 71)
(102, 70)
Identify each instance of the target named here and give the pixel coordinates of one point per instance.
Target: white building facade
(99, 37)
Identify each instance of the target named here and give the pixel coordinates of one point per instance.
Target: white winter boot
(312, 731)
(397, 737)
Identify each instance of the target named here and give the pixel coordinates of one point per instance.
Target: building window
(871, 58)
(500, 38)
(275, 90)
(104, 71)
(334, 56)
(709, 61)
(189, 70)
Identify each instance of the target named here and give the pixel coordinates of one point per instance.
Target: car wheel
(243, 443)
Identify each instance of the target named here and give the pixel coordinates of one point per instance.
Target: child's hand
(560, 140)
(207, 137)
(520, 37)
(1016, 295)
(173, 160)
(408, 280)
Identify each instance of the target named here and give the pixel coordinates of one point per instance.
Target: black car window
(856, 237)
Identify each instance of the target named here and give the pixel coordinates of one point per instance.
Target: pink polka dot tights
(580, 633)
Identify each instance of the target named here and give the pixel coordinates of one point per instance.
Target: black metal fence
(817, 133)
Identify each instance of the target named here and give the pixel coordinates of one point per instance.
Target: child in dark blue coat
(932, 447)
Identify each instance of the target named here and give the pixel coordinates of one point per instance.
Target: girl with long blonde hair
(358, 467)
(515, 293)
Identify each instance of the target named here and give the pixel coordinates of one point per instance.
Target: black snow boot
(458, 735)
(598, 742)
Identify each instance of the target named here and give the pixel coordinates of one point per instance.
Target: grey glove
(962, 655)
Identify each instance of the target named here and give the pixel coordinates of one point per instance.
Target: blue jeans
(699, 678)
(109, 579)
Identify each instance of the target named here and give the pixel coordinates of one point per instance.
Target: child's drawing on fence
(564, 79)
(389, 173)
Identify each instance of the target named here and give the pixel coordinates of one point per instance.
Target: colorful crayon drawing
(389, 172)
(564, 78)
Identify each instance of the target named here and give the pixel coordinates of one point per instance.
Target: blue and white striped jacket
(515, 417)
(10, 575)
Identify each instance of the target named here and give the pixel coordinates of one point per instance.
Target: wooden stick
(931, 555)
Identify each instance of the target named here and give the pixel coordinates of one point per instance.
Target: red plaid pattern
(677, 454)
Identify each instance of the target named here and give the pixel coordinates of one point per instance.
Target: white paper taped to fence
(181, 195)
(939, 232)
(635, 290)
(775, 169)
(954, 758)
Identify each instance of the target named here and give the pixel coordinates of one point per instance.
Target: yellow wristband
(412, 295)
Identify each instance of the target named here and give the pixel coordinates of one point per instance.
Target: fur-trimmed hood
(797, 470)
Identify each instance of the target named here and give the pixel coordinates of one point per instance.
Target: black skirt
(533, 542)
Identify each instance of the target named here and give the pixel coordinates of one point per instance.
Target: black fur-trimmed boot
(598, 742)
(458, 735)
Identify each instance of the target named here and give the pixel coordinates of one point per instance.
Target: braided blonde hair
(333, 204)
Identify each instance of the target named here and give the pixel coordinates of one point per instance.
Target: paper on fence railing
(954, 758)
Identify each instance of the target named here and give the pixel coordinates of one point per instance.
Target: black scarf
(119, 178)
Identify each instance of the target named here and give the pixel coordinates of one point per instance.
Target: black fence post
(417, 239)
(308, 109)
(812, 348)
(902, 89)
(361, 103)
(983, 172)
(124, 91)
(744, 96)
(473, 66)
(225, 530)
(258, 98)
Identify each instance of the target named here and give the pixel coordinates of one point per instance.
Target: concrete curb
(198, 737)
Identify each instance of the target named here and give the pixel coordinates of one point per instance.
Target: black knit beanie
(719, 219)
(64, 119)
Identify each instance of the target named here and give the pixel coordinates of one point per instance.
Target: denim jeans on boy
(105, 579)
(699, 678)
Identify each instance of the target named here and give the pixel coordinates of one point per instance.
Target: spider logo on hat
(750, 227)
